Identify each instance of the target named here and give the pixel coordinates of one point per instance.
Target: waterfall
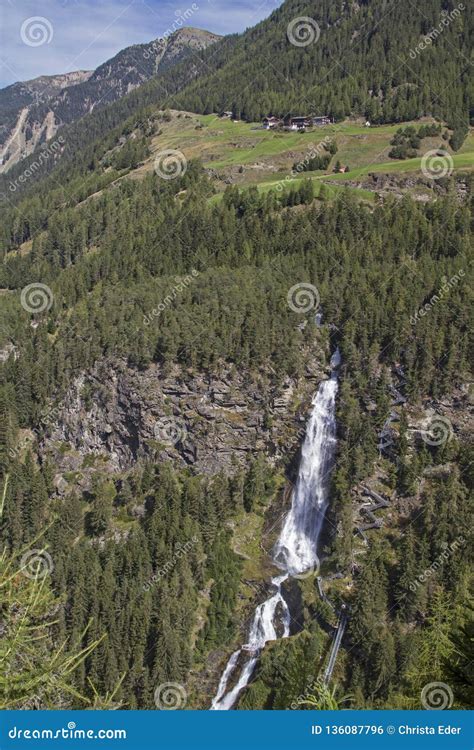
(296, 549)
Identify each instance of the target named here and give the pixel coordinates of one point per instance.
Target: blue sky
(81, 34)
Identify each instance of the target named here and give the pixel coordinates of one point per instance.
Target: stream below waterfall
(296, 549)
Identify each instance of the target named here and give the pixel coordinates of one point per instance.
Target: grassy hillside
(362, 59)
(244, 154)
(241, 154)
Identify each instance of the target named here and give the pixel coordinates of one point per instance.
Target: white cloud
(89, 32)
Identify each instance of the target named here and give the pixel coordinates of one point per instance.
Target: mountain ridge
(344, 58)
(367, 80)
(33, 111)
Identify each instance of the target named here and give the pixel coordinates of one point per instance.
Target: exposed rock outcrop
(32, 111)
(114, 415)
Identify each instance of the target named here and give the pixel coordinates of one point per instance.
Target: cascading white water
(261, 631)
(296, 549)
(225, 676)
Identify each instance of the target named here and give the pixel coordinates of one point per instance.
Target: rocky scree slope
(32, 111)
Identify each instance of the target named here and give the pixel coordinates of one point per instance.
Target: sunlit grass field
(245, 154)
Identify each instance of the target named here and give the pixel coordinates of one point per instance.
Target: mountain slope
(169, 336)
(32, 111)
(20, 129)
(366, 60)
(345, 58)
(159, 353)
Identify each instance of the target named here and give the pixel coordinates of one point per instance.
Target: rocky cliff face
(114, 416)
(32, 111)
(25, 118)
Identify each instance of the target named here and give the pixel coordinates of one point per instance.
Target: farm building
(298, 122)
(271, 122)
